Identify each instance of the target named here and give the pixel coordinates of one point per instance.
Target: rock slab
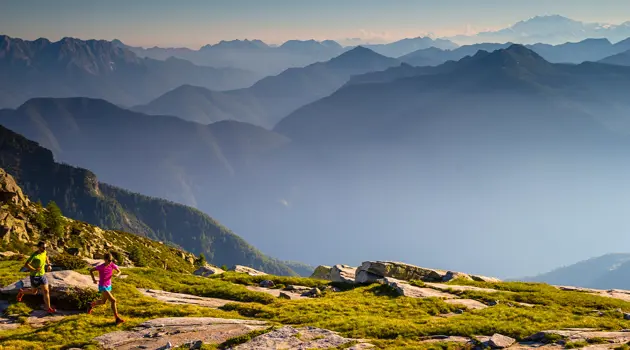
(177, 331)
(343, 274)
(289, 337)
(208, 270)
(184, 299)
(248, 270)
(60, 283)
(405, 289)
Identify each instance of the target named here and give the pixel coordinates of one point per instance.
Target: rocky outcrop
(10, 192)
(375, 271)
(208, 270)
(322, 272)
(343, 273)
(247, 270)
(405, 289)
(60, 282)
(178, 331)
(289, 337)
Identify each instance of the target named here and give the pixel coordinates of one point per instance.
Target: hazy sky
(194, 23)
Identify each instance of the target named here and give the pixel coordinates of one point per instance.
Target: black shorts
(37, 281)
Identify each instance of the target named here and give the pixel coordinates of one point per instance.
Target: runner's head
(41, 246)
(108, 257)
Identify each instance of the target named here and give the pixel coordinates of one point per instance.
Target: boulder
(289, 337)
(342, 273)
(313, 293)
(247, 270)
(322, 272)
(498, 341)
(208, 270)
(405, 289)
(372, 271)
(60, 283)
(267, 284)
(10, 192)
(452, 275)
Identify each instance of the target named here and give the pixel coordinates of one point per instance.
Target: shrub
(76, 299)
(68, 262)
(201, 261)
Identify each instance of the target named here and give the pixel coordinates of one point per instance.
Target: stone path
(177, 331)
(184, 299)
(288, 337)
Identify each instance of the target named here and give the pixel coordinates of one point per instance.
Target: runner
(105, 272)
(37, 264)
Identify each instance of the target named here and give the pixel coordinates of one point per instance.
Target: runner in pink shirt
(105, 273)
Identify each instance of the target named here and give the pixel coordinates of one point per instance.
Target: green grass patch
(195, 285)
(279, 281)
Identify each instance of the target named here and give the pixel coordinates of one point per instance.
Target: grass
(279, 281)
(371, 312)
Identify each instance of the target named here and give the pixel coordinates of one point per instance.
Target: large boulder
(322, 272)
(403, 288)
(343, 273)
(10, 192)
(208, 270)
(374, 271)
(247, 270)
(60, 283)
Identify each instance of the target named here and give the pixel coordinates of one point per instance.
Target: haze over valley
(502, 152)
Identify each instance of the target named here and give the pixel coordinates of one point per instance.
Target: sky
(194, 23)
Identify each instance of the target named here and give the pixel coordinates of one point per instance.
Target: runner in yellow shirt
(37, 264)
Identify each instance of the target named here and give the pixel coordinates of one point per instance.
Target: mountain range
(255, 55)
(99, 69)
(479, 144)
(271, 98)
(81, 196)
(609, 271)
(586, 50)
(551, 29)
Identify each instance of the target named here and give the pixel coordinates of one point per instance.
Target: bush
(201, 261)
(68, 262)
(76, 299)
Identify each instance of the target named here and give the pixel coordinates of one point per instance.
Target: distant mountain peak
(514, 56)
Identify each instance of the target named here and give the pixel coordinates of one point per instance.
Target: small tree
(54, 220)
(201, 260)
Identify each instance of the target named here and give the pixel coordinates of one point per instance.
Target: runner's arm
(27, 264)
(118, 272)
(92, 274)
